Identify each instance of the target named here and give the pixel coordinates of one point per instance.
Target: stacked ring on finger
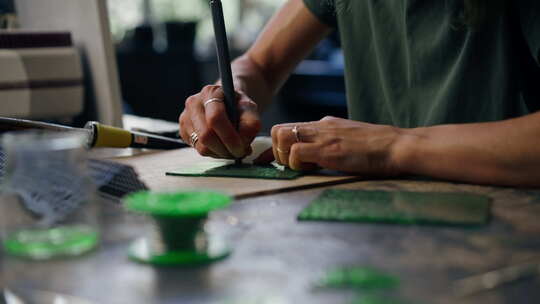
(296, 133)
(194, 138)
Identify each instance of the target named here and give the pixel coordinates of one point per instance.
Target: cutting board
(151, 167)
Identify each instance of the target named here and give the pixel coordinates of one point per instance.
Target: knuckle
(274, 131)
(190, 101)
(331, 155)
(205, 137)
(329, 119)
(210, 89)
(214, 119)
(248, 104)
(182, 121)
(204, 150)
(181, 118)
(282, 133)
(295, 151)
(293, 164)
(334, 148)
(184, 137)
(253, 127)
(207, 88)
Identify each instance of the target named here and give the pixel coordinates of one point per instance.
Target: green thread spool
(177, 236)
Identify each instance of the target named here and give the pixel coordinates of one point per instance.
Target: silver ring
(211, 100)
(194, 139)
(296, 133)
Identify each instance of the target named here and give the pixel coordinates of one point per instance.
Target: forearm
(289, 36)
(498, 153)
(248, 78)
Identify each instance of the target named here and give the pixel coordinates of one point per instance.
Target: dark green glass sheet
(358, 278)
(218, 169)
(398, 207)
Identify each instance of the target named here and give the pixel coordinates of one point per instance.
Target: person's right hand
(216, 135)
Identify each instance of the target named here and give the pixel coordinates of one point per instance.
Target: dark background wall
(6, 6)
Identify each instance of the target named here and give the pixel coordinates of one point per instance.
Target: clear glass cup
(48, 210)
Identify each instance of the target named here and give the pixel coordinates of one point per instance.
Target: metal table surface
(277, 259)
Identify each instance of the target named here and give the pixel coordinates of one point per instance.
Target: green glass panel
(399, 207)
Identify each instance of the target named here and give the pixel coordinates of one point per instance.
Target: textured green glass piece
(358, 278)
(40, 244)
(399, 207)
(180, 204)
(218, 169)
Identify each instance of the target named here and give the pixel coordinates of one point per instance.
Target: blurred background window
(165, 48)
(166, 52)
(247, 15)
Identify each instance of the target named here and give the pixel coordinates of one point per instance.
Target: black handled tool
(224, 61)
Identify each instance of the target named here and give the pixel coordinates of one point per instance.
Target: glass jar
(48, 209)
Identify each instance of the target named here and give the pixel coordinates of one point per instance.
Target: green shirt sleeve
(528, 11)
(324, 10)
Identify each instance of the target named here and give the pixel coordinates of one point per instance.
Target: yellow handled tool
(99, 135)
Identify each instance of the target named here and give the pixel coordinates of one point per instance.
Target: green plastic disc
(180, 204)
(140, 251)
(40, 244)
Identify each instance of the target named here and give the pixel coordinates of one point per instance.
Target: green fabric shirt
(414, 63)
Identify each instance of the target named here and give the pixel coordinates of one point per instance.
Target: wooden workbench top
(277, 259)
(152, 166)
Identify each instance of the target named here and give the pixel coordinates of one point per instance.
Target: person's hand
(337, 144)
(205, 125)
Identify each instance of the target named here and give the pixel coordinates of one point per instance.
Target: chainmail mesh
(60, 184)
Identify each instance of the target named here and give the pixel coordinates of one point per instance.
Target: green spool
(178, 218)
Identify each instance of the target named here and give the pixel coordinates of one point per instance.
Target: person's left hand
(337, 144)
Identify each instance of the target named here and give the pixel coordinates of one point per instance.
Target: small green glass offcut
(42, 244)
(358, 278)
(432, 208)
(218, 169)
(178, 218)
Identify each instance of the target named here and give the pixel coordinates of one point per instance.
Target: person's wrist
(404, 150)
